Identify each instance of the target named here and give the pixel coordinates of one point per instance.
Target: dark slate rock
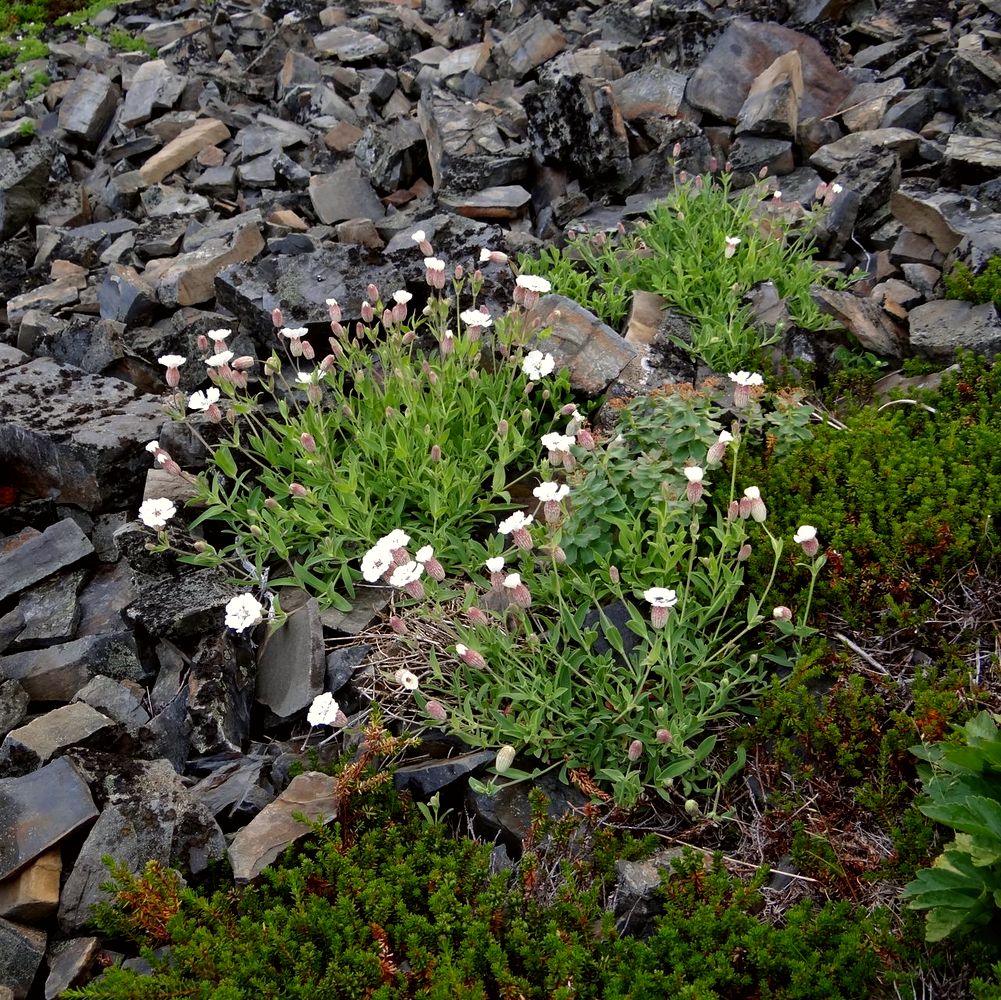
(88, 107)
(79, 435)
(509, 810)
(51, 734)
(39, 810)
(169, 733)
(125, 296)
(59, 546)
(342, 662)
(149, 815)
(392, 155)
(58, 672)
(424, 779)
(51, 611)
(14, 701)
(939, 329)
(10, 627)
(637, 900)
(92, 345)
(22, 949)
(70, 963)
(344, 194)
(115, 700)
(24, 177)
(189, 605)
(237, 787)
(220, 691)
(104, 598)
(290, 663)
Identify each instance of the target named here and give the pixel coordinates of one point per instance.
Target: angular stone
(510, 810)
(424, 779)
(50, 610)
(839, 155)
(149, 815)
(344, 194)
(58, 547)
(24, 177)
(237, 788)
(873, 176)
(746, 49)
(69, 964)
(751, 152)
(390, 155)
(63, 291)
(529, 45)
(945, 217)
(267, 835)
(291, 665)
(220, 694)
(368, 605)
(269, 134)
(873, 329)
(14, 701)
(348, 45)
(298, 69)
(653, 90)
(343, 137)
(188, 605)
(185, 147)
(88, 108)
(42, 738)
(39, 810)
(507, 202)
(772, 104)
(866, 106)
(977, 154)
(939, 329)
(78, 436)
(115, 700)
(592, 351)
(102, 601)
(21, 952)
(32, 895)
(153, 87)
(125, 296)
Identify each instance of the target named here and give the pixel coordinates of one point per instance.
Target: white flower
(485, 256)
(434, 263)
(496, 564)
(836, 189)
(776, 195)
(243, 612)
(694, 473)
(375, 562)
(725, 437)
(156, 513)
(537, 365)
(660, 597)
(805, 533)
(733, 241)
(406, 679)
(418, 236)
(323, 711)
(396, 539)
(407, 573)
(203, 400)
(752, 493)
(476, 317)
(293, 332)
(515, 522)
(402, 297)
(533, 283)
(512, 580)
(153, 447)
(172, 360)
(746, 378)
(304, 378)
(330, 302)
(555, 441)
(460, 649)
(424, 553)
(220, 359)
(548, 492)
(218, 334)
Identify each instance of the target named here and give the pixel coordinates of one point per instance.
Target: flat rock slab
(59, 546)
(38, 810)
(182, 148)
(508, 201)
(344, 194)
(149, 815)
(744, 51)
(76, 436)
(291, 665)
(430, 776)
(945, 217)
(154, 87)
(189, 605)
(939, 329)
(69, 961)
(32, 895)
(24, 177)
(300, 284)
(349, 45)
(842, 154)
(50, 734)
(22, 949)
(267, 835)
(592, 351)
(89, 106)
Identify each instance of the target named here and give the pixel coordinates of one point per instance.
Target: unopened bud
(372, 291)
(505, 758)
(308, 442)
(202, 342)
(613, 575)
(664, 736)
(502, 428)
(398, 625)
(272, 504)
(244, 363)
(298, 490)
(744, 553)
(692, 807)
(255, 530)
(676, 151)
(436, 711)
(277, 318)
(635, 750)
(435, 453)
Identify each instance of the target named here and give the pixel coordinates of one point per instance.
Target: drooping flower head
(517, 527)
(528, 288)
(323, 711)
(806, 537)
(201, 401)
(661, 600)
(745, 384)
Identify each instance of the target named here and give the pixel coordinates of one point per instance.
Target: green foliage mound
(903, 498)
(962, 283)
(396, 907)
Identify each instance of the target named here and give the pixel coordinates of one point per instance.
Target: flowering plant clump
(412, 418)
(622, 635)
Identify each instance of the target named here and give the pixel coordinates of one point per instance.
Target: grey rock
(751, 153)
(368, 604)
(867, 322)
(577, 123)
(873, 176)
(115, 700)
(149, 815)
(84, 244)
(60, 546)
(14, 701)
(636, 901)
(349, 45)
(945, 217)
(264, 839)
(592, 351)
(510, 811)
(50, 610)
(22, 949)
(216, 182)
(189, 605)
(170, 731)
(291, 666)
(344, 194)
(24, 177)
(52, 733)
(88, 107)
(529, 45)
(866, 106)
(259, 172)
(922, 277)
(913, 109)
(723, 79)
(269, 134)
(391, 155)
(837, 156)
(125, 296)
(427, 777)
(342, 662)
(39, 810)
(237, 788)
(76, 435)
(971, 157)
(652, 91)
(939, 329)
(70, 963)
(772, 104)
(220, 690)
(154, 87)
(58, 672)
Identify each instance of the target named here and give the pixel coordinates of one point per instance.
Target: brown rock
(646, 314)
(343, 137)
(653, 90)
(185, 147)
(360, 231)
(507, 201)
(945, 217)
(32, 895)
(873, 329)
(53, 732)
(289, 219)
(528, 46)
(772, 105)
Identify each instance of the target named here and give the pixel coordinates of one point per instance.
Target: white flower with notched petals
(660, 597)
(537, 365)
(201, 401)
(476, 317)
(294, 332)
(243, 612)
(375, 563)
(401, 298)
(219, 334)
(172, 360)
(418, 236)
(804, 533)
(496, 564)
(551, 492)
(424, 554)
(323, 711)
(555, 441)
(752, 493)
(512, 580)
(156, 513)
(396, 539)
(515, 522)
(220, 359)
(153, 447)
(434, 263)
(746, 378)
(533, 283)
(694, 473)
(407, 573)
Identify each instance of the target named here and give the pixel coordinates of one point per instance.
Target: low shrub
(962, 283)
